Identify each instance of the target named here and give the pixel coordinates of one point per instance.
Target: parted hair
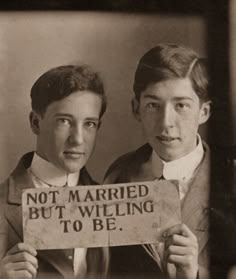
(171, 61)
(62, 81)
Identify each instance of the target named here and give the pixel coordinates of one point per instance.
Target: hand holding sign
(19, 262)
(181, 249)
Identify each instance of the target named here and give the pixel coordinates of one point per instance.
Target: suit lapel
(18, 181)
(54, 257)
(59, 261)
(139, 168)
(195, 205)
(13, 214)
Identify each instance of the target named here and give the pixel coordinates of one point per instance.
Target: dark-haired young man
(67, 105)
(171, 101)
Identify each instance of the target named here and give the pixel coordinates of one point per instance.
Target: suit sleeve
(111, 178)
(203, 273)
(3, 223)
(116, 173)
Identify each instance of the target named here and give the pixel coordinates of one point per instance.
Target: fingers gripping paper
(104, 215)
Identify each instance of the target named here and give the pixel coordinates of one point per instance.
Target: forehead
(170, 89)
(81, 103)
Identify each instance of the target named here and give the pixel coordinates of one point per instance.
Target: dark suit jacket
(53, 264)
(136, 167)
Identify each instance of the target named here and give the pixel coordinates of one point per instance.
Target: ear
(35, 118)
(135, 108)
(205, 112)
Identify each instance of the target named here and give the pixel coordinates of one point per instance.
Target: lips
(74, 154)
(166, 139)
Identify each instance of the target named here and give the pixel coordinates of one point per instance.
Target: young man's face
(67, 131)
(170, 113)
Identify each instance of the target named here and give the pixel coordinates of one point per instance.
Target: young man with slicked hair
(171, 101)
(68, 103)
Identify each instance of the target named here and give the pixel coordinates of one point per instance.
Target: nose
(77, 135)
(168, 117)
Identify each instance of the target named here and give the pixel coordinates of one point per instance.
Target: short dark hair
(60, 82)
(171, 61)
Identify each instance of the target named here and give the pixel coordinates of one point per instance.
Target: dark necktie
(69, 253)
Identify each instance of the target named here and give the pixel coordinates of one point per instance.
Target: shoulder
(85, 178)
(127, 164)
(118, 167)
(4, 191)
(11, 186)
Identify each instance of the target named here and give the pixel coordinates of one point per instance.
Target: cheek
(90, 139)
(149, 123)
(148, 117)
(61, 134)
(189, 125)
(149, 129)
(48, 138)
(57, 140)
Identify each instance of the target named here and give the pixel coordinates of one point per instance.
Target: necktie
(69, 253)
(168, 268)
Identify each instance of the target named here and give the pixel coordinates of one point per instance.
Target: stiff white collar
(50, 175)
(182, 168)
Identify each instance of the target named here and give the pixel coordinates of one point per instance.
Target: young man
(67, 105)
(171, 101)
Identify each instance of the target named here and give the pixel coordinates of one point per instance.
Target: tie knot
(162, 177)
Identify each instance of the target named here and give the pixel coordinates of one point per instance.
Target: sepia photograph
(118, 139)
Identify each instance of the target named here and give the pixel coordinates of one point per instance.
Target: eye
(63, 121)
(152, 105)
(91, 124)
(182, 106)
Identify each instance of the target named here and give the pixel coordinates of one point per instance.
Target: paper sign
(99, 215)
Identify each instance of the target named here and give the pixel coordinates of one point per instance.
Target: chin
(168, 156)
(72, 165)
(172, 157)
(73, 169)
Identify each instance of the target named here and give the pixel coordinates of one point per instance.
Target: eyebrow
(153, 97)
(71, 116)
(183, 98)
(93, 118)
(148, 96)
(63, 114)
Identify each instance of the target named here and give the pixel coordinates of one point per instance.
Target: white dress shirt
(181, 169)
(44, 174)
